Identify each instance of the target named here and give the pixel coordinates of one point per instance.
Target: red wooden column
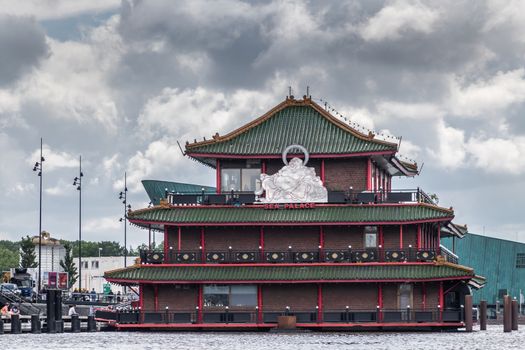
(418, 236)
(319, 303)
(261, 244)
(263, 166)
(218, 175)
(259, 304)
(322, 171)
(441, 301)
(166, 242)
(424, 292)
(321, 243)
(156, 297)
(203, 247)
(438, 239)
(179, 239)
(369, 175)
(199, 304)
(380, 300)
(381, 237)
(401, 236)
(141, 296)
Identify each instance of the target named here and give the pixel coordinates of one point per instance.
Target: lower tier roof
(297, 273)
(257, 214)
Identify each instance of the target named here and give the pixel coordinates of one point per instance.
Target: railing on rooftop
(335, 197)
(349, 255)
(225, 315)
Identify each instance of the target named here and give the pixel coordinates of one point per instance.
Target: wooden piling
(36, 325)
(75, 324)
(468, 313)
(483, 315)
(91, 324)
(514, 318)
(1, 325)
(16, 326)
(507, 314)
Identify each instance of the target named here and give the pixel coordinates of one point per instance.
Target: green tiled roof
(156, 189)
(361, 272)
(293, 122)
(319, 214)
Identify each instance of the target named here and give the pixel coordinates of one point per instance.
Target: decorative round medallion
(245, 256)
(395, 255)
(425, 255)
(365, 255)
(302, 148)
(304, 256)
(156, 257)
(335, 255)
(215, 256)
(185, 257)
(275, 256)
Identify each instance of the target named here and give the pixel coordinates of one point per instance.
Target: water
(494, 338)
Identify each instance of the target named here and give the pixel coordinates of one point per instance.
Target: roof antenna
(307, 91)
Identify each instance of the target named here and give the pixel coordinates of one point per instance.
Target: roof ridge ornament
(293, 183)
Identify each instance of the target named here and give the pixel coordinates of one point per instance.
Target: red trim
(156, 297)
(259, 304)
(319, 303)
(179, 241)
(332, 223)
(400, 236)
(380, 299)
(381, 236)
(200, 304)
(263, 166)
(166, 240)
(119, 280)
(327, 325)
(317, 205)
(438, 239)
(218, 175)
(279, 156)
(413, 263)
(322, 171)
(418, 236)
(321, 237)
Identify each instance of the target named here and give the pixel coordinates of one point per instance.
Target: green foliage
(90, 248)
(9, 255)
(27, 253)
(68, 265)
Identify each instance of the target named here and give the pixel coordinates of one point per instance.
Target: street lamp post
(78, 182)
(99, 250)
(38, 167)
(123, 196)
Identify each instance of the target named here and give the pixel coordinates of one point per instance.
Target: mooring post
(91, 324)
(507, 314)
(75, 324)
(483, 315)
(468, 313)
(16, 327)
(36, 326)
(1, 325)
(514, 321)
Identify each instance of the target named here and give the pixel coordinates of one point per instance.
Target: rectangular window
(230, 295)
(520, 260)
(405, 295)
(370, 236)
(245, 180)
(94, 264)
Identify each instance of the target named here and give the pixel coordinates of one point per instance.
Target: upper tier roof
(156, 189)
(291, 122)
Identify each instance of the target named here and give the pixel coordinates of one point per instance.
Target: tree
(27, 253)
(69, 266)
(9, 258)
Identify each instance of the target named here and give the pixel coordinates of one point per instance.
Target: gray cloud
(22, 45)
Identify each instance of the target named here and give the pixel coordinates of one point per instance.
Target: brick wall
(340, 174)
(147, 297)
(300, 238)
(354, 295)
(239, 238)
(391, 236)
(410, 236)
(297, 296)
(178, 297)
(340, 237)
(390, 295)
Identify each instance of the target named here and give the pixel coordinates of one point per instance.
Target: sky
(120, 82)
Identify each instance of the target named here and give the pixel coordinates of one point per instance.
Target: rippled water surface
(494, 338)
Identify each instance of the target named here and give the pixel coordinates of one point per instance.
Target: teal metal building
(500, 261)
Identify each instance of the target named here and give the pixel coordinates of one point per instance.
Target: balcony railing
(290, 256)
(226, 316)
(334, 197)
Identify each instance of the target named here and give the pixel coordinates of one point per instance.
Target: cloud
(483, 98)
(101, 224)
(22, 46)
(53, 159)
(496, 155)
(451, 152)
(403, 110)
(392, 21)
(55, 9)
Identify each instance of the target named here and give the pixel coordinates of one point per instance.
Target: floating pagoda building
(303, 221)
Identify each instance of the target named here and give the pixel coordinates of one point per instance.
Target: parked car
(9, 288)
